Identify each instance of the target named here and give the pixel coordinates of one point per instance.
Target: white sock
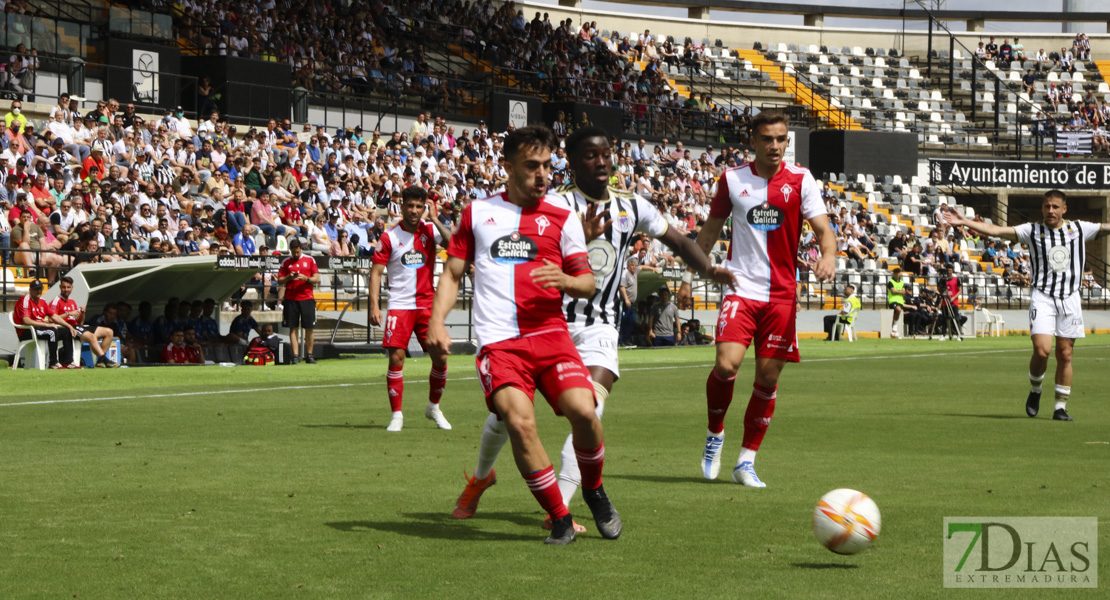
(494, 436)
(397, 415)
(570, 477)
(716, 435)
(746, 455)
(1062, 394)
(1035, 383)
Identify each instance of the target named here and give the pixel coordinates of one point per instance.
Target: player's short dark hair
(67, 279)
(414, 192)
(1056, 194)
(767, 117)
(293, 243)
(532, 136)
(248, 303)
(582, 134)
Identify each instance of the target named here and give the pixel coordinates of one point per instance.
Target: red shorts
(548, 362)
(400, 325)
(771, 325)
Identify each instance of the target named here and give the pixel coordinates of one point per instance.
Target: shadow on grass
(984, 416)
(346, 426)
(822, 566)
(443, 527)
(655, 478)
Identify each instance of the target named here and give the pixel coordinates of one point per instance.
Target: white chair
(992, 324)
(39, 347)
(848, 329)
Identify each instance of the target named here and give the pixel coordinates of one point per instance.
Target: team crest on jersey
(514, 249)
(1058, 258)
(603, 258)
(542, 223)
(412, 259)
(786, 191)
(765, 217)
(623, 222)
(424, 239)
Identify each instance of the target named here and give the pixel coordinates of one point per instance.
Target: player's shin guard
(494, 436)
(436, 382)
(718, 395)
(542, 485)
(570, 477)
(590, 462)
(758, 417)
(395, 382)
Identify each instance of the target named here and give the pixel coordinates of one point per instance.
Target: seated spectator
(242, 325)
(913, 262)
(99, 338)
(175, 352)
(244, 241)
(33, 311)
(31, 238)
(194, 353)
(848, 311)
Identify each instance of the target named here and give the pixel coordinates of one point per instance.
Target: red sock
(545, 487)
(436, 382)
(718, 394)
(395, 381)
(758, 416)
(590, 463)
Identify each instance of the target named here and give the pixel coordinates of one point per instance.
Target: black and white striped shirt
(608, 253)
(1057, 256)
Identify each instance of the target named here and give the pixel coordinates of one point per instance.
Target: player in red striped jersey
(527, 251)
(767, 201)
(409, 250)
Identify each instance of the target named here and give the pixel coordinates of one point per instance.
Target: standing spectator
(629, 290)
(32, 310)
(298, 274)
(663, 326)
(895, 299)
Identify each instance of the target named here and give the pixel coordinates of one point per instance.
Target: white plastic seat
(38, 346)
(842, 328)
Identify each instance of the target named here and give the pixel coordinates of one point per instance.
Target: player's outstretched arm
(375, 294)
(956, 217)
(551, 276)
(696, 258)
(446, 293)
(710, 231)
(1103, 230)
(825, 269)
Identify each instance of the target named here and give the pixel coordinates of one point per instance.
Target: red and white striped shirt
(410, 259)
(766, 224)
(506, 243)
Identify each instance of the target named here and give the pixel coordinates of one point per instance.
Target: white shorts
(597, 344)
(1052, 316)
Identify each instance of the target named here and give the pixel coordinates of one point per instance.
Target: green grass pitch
(281, 482)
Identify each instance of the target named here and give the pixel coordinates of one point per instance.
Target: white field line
(376, 383)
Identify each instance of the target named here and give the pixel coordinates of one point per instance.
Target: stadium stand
(445, 60)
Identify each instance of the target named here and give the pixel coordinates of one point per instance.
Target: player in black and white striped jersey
(610, 217)
(1057, 255)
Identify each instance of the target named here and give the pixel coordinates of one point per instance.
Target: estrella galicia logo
(413, 259)
(514, 249)
(765, 217)
(1012, 552)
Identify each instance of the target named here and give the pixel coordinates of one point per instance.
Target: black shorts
(299, 313)
(895, 304)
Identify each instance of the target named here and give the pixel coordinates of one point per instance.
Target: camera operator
(948, 304)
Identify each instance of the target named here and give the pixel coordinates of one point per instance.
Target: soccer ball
(846, 521)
